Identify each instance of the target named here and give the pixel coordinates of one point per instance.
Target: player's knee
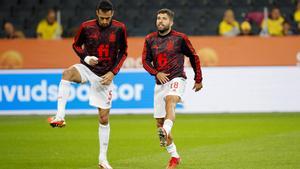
(103, 119)
(172, 99)
(67, 74)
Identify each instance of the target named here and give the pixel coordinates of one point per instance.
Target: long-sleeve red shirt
(166, 54)
(108, 44)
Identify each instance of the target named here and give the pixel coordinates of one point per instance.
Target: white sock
(62, 97)
(172, 150)
(103, 141)
(168, 124)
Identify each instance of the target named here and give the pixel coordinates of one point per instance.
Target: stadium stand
(202, 16)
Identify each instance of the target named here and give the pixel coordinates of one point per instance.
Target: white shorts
(174, 87)
(100, 95)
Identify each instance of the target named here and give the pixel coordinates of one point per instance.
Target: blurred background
(250, 57)
(194, 17)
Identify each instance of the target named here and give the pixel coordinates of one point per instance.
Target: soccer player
(101, 45)
(163, 57)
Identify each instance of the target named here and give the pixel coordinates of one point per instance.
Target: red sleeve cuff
(198, 80)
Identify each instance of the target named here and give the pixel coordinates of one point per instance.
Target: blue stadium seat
(7, 4)
(6, 12)
(240, 13)
(285, 3)
(138, 15)
(87, 14)
(262, 3)
(217, 12)
(56, 4)
(287, 13)
(28, 4)
(88, 4)
(213, 26)
(240, 3)
(217, 3)
(20, 11)
(70, 4)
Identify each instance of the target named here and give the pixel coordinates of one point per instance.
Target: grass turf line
(205, 141)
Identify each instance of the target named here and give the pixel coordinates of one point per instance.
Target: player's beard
(164, 30)
(103, 25)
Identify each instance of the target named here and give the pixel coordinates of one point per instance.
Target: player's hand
(91, 60)
(162, 77)
(197, 87)
(107, 78)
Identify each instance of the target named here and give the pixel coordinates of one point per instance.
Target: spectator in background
(297, 16)
(287, 29)
(229, 26)
(246, 28)
(255, 17)
(11, 32)
(275, 23)
(49, 28)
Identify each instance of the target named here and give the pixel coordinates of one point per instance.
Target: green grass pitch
(204, 141)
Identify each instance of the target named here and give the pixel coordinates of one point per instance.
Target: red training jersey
(108, 44)
(166, 54)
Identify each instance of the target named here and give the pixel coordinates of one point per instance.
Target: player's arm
(122, 53)
(190, 52)
(78, 42)
(147, 59)
(121, 56)
(80, 51)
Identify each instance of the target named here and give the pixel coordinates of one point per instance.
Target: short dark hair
(51, 10)
(275, 7)
(105, 5)
(167, 11)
